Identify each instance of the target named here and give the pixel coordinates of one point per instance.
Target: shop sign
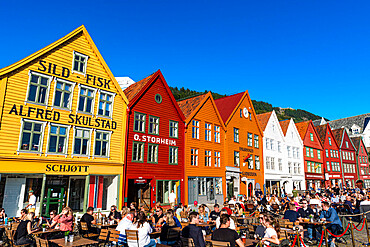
(56, 70)
(156, 140)
(314, 176)
(140, 181)
(250, 174)
(66, 168)
(53, 115)
(246, 149)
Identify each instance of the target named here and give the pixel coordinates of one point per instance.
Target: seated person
(177, 222)
(89, 219)
(24, 229)
(348, 202)
(158, 217)
(193, 231)
(307, 212)
(170, 224)
(329, 214)
(123, 225)
(218, 223)
(215, 213)
(260, 230)
(203, 215)
(49, 222)
(225, 234)
(24, 213)
(272, 231)
(293, 216)
(114, 214)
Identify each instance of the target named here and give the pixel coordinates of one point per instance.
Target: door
(144, 197)
(192, 190)
(250, 189)
(14, 195)
(230, 189)
(55, 199)
(211, 189)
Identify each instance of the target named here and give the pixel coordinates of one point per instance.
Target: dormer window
(79, 62)
(346, 144)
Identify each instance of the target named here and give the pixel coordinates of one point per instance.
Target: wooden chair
(219, 243)
(85, 231)
(132, 237)
(104, 236)
(173, 234)
(14, 226)
(187, 242)
(41, 242)
(251, 231)
(10, 237)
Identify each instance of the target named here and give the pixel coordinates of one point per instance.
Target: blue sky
(308, 54)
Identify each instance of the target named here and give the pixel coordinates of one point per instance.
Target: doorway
(139, 192)
(55, 194)
(230, 189)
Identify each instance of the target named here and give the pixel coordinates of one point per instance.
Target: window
(295, 168)
(79, 62)
(236, 135)
(139, 122)
(250, 139)
(105, 104)
(258, 165)
(195, 129)
(272, 146)
(299, 168)
(290, 167)
(256, 141)
(194, 157)
(250, 162)
(63, 94)
(311, 152)
(236, 159)
(158, 98)
(308, 166)
(217, 134)
(217, 159)
(279, 146)
(346, 144)
(218, 185)
(328, 166)
(38, 88)
(331, 153)
(58, 139)
(207, 158)
(138, 151)
(289, 151)
(174, 129)
(154, 125)
(31, 137)
(82, 141)
(152, 153)
(102, 139)
(268, 164)
(208, 131)
(267, 143)
(329, 138)
(173, 155)
(307, 152)
(319, 154)
(327, 153)
(272, 163)
(164, 188)
(311, 137)
(86, 100)
(280, 164)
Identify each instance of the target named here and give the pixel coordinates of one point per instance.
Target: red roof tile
(284, 125)
(302, 128)
(338, 133)
(263, 119)
(187, 106)
(226, 105)
(356, 142)
(321, 132)
(135, 88)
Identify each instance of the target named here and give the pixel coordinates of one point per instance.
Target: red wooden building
(155, 143)
(312, 153)
(362, 161)
(348, 157)
(332, 167)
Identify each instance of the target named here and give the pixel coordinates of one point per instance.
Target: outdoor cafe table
(291, 231)
(104, 225)
(77, 241)
(205, 224)
(40, 232)
(248, 242)
(315, 223)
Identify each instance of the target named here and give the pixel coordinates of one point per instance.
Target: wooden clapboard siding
(15, 78)
(145, 103)
(206, 112)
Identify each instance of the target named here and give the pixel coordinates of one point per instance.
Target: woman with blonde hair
(272, 231)
(169, 224)
(203, 215)
(24, 229)
(64, 220)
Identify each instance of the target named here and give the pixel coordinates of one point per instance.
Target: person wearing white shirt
(218, 223)
(172, 198)
(123, 225)
(31, 202)
(144, 229)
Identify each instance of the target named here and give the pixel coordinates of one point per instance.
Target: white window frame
(73, 142)
(93, 101)
(113, 95)
(48, 139)
(73, 84)
(195, 135)
(208, 132)
(208, 158)
(73, 61)
(217, 158)
(108, 148)
(194, 154)
(217, 133)
(237, 159)
(50, 78)
(43, 124)
(175, 129)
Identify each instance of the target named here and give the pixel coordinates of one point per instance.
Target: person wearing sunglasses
(49, 222)
(305, 212)
(114, 214)
(158, 216)
(260, 230)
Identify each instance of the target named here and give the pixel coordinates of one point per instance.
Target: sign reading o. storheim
(155, 140)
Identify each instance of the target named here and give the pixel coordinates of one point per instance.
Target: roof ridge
(192, 96)
(350, 117)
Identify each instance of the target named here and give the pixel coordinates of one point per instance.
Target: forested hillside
(259, 106)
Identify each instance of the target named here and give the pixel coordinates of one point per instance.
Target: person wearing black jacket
(114, 214)
(305, 212)
(193, 231)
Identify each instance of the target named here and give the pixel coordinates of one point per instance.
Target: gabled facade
(243, 145)
(294, 145)
(63, 121)
(347, 156)
(362, 162)
(332, 162)
(204, 150)
(155, 143)
(274, 153)
(313, 155)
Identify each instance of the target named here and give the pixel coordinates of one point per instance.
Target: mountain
(298, 115)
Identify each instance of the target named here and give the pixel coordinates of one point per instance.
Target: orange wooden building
(204, 150)
(243, 145)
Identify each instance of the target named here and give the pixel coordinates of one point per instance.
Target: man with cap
(31, 202)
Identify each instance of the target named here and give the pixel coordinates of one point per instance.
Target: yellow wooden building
(62, 129)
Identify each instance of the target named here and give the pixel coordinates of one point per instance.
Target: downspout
(126, 154)
(341, 164)
(3, 106)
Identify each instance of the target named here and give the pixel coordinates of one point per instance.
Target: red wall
(362, 153)
(335, 147)
(351, 149)
(316, 145)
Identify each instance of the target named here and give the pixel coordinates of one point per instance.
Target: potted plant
(66, 236)
(43, 227)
